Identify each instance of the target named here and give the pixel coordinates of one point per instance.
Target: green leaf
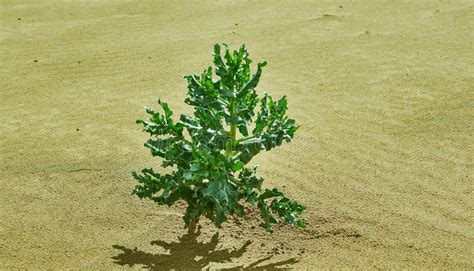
(217, 191)
(238, 166)
(168, 112)
(253, 82)
(270, 194)
(243, 130)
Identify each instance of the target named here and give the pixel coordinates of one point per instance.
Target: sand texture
(383, 91)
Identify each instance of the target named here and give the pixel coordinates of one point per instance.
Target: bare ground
(383, 91)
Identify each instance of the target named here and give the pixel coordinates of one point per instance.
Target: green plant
(208, 152)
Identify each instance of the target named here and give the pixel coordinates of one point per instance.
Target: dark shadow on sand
(189, 254)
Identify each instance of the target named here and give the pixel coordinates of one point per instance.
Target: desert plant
(208, 152)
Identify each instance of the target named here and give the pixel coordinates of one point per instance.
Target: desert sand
(383, 91)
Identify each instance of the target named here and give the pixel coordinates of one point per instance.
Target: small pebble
(19, 19)
(77, 129)
(36, 60)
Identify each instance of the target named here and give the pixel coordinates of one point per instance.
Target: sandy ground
(383, 91)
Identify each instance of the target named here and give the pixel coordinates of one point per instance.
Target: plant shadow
(189, 254)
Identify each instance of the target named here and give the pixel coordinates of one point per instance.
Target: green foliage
(208, 152)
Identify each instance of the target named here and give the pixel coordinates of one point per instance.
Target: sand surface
(383, 91)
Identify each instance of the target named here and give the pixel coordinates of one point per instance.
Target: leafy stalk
(209, 170)
(233, 129)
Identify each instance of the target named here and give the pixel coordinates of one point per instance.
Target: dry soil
(383, 91)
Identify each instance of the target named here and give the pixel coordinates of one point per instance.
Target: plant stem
(233, 134)
(233, 130)
(192, 226)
